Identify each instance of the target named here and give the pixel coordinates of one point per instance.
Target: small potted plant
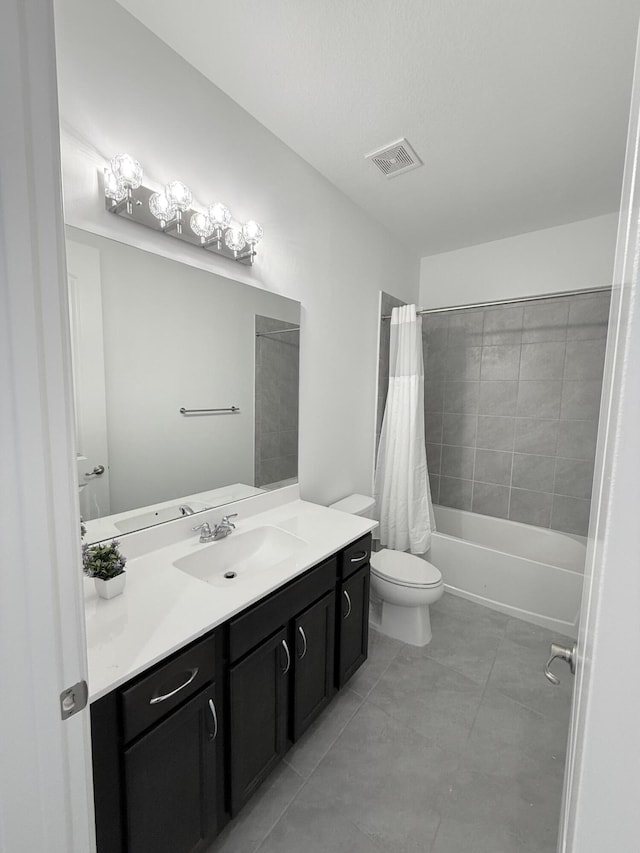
(105, 564)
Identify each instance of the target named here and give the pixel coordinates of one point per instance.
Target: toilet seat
(401, 569)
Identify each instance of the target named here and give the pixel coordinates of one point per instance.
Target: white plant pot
(110, 588)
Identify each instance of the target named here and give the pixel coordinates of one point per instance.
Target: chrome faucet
(185, 509)
(219, 531)
(225, 527)
(206, 534)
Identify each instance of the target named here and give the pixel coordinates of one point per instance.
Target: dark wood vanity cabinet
(158, 756)
(353, 609)
(258, 698)
(353, 625)
(170, 781)
(180, 749)
(313, 643)
(281, 675)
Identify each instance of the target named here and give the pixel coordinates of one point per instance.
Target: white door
(85, 309)
(602, 784)
(45, 766)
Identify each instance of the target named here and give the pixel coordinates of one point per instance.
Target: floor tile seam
(333, 742)
(435, 834)
(538, 713)
(284, 810)
(440, 664)
(497, 633)
(475, 716)
(332, 802)
(484, 692)
(427, 739)
(364, 696)
(457, 671)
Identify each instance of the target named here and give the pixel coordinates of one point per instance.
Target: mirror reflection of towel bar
(184, 411)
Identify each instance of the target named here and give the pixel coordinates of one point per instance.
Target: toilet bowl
(403, 585)
(406, 585)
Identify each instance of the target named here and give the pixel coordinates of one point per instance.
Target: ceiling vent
(394, 159)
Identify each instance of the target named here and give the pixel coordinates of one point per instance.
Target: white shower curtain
(401, 486)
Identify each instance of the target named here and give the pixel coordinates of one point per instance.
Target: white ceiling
(518, 108)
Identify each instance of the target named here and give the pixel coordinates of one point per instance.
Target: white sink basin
(158, 516)
(240, 556)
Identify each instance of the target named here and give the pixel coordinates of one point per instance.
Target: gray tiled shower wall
(276, 412)
(512, 400)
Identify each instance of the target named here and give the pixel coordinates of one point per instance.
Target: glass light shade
(234, 239)
(161, 207)
(202, 225)
(113, 186)
(178, 195)
(220, 215)
(252, 232)
(128, 170)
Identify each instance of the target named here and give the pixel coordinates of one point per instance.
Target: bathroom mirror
(152, 337)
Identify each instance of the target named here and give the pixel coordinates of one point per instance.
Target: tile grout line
(486, 685)
(302, 778)
(333, 743)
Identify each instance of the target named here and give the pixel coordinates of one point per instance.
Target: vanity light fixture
(202, 225)
(121, 177)
(162, 209)
(234, 238)
(171, 211)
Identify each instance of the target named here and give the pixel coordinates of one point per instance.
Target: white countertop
(163, 608)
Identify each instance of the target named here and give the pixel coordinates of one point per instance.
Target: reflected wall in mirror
(151, 336)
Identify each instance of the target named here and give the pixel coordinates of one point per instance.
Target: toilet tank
(356, 505)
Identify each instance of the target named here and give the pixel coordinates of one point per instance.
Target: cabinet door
(258, 687)
(314, 662)
(170, 781)
(353, 624)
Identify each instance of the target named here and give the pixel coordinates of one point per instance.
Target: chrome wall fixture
(232, 409)
(171, 212)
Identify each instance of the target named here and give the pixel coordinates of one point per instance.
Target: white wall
(121, 89)
(575, 256)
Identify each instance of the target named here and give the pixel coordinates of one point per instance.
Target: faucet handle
(206, 530)
(226, 519)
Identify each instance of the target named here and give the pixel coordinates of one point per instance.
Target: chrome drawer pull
(304, 640)
(286, 649)
(155, 699)
(359, 557)
(346, 595)
(212, 708)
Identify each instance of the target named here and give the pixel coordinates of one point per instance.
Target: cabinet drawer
(154, 695)
(257, 623)
(355, 556)
(170, 780)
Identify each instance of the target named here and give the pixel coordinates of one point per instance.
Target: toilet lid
(404, 569)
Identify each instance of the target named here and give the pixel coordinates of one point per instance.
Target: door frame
(88, 373)
(600, 809)
(46, 792)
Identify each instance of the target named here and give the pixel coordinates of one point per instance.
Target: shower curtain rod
(507, 301)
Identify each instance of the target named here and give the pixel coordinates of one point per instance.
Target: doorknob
(98, 470)
(562, 652)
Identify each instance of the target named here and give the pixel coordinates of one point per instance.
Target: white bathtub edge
(568, 629)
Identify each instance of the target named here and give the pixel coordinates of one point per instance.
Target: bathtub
(528, 572)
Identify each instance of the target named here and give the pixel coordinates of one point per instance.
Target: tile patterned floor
(455, 748)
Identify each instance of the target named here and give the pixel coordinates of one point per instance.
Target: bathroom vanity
(181, 744)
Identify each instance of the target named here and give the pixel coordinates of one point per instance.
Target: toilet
(403, 584)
